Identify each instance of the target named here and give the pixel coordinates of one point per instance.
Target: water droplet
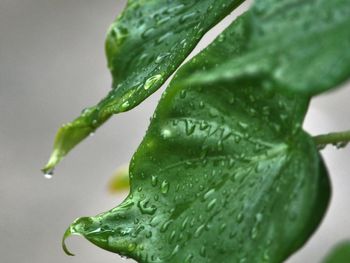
(203, 125)
(166, 133)
(203, 251)
(240, 217)
(125, 105)
(145, 209)
(254, 232)
(211, 205)
(186, 17)
(266, 256)
(149, 234)
(176, 9)
(161, 57)
(209, 193)
(238, 139)
(258, 217)
(190, 127)
(223, 227)
(154, 180)
(147, 32)
(189, 258)
(165, 187)
(131, 247)
(165, 226)
(221, 38)
(163, 20)
(150, 82)
(94, 123)
(199, 231)
(48, 176)
(183, 94)
(220, 145)
(184, 223)
(172, 236)
(233, 234)
(165, 36)
(175, 250)
(243, 125)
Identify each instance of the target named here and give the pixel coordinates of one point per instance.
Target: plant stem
(339, 139)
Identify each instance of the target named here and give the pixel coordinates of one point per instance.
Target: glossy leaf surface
(299, 45)
(144, 46)
(224, 174)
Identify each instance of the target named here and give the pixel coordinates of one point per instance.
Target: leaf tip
(82, 226)
(67, 234)
(55, 158)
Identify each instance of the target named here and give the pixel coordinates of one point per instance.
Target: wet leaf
(298, 45)
(144, 46)
(225, 173)
(339, 254)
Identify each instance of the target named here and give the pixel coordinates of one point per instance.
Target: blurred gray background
(52, 65)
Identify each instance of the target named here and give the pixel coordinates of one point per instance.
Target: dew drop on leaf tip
(48, 176)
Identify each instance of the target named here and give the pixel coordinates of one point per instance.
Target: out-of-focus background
(52, 65)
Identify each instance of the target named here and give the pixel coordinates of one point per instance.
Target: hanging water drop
(48, 176)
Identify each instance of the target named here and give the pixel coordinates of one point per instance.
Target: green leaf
(144, 46)
(299, 45)
(339, 254)
(120, 180)
(224, 174)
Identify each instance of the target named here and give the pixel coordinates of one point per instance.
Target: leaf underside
(144, 46)
(225, 172)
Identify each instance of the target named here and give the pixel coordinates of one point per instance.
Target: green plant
(225, 172)
(339, 254)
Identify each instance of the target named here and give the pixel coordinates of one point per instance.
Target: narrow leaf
(144, 46)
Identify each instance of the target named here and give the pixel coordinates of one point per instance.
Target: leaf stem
(338, 139)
